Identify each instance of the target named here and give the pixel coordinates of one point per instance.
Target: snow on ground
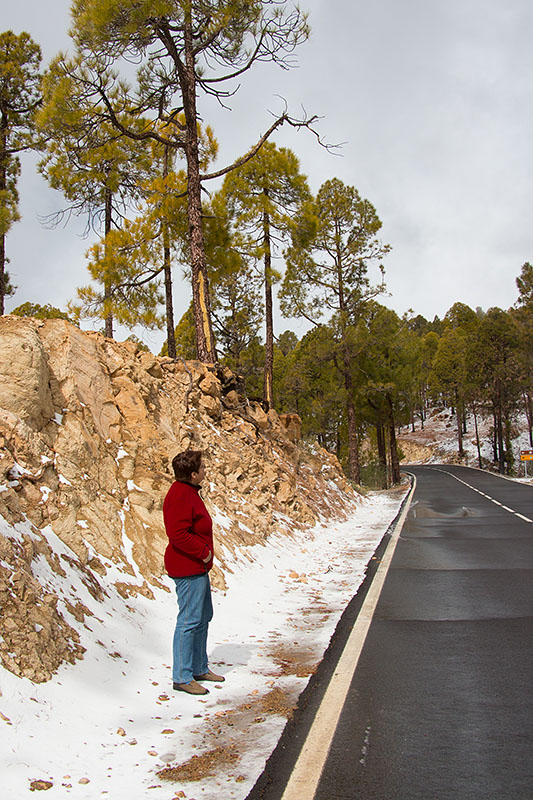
(106, 726)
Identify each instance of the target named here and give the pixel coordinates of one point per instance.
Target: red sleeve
(178, 514)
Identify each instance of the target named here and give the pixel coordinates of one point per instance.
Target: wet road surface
(441, 703)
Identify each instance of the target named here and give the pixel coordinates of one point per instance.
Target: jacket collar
(195, 486)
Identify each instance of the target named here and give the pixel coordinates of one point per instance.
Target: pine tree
(387, 360)
(523, 314)
(165, 212)
(166, 209)
(265, 194)
(448, 374)
(524, 283)
(184, 338)
(121, 264)
(310, 385)
(328, 265)
(38, 311)
(452, 363)
(498, 357)
(20, 59)
(236, 315)
(427, 349)
(98, 171)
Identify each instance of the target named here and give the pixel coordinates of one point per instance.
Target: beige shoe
(191, 688)
(210, 676)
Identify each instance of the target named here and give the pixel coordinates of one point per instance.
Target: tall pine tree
(265, 195)
(328, 266)
(20, 59)
(98, 170)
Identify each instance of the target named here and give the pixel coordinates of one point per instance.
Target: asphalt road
(441, 704)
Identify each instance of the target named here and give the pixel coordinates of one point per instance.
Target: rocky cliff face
(88, 427)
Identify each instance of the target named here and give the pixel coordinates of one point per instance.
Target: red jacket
(189, 529)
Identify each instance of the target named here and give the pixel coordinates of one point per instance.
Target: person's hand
(207, 559)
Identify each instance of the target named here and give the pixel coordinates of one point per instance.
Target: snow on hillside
(108, 724)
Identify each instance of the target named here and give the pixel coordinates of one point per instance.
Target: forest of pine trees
(133, 156)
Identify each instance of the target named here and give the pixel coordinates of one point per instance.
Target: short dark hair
(185, 463)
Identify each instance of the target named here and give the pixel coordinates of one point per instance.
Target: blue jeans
(190, 636)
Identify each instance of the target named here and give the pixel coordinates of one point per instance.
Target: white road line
(306, 773)
(497, 502)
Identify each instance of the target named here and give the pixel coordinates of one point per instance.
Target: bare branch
(152, 274)
(250, 154)
(230, 76)
(218, 93)
(284, 118)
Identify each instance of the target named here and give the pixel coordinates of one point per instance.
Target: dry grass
(277, 702)
(294, 662)
(233, 726)
(199, 767)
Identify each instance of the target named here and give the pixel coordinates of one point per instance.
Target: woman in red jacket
(188, 559)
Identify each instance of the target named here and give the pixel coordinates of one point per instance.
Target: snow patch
(45, 491)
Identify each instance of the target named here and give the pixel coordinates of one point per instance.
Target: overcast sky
(433, 100)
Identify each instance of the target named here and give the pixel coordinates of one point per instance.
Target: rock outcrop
(88, 427)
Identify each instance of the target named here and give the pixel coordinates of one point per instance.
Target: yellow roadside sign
(526, 455)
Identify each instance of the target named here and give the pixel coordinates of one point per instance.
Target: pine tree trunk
(459, 420)
(395, 463)
(477, 440)
(354, 466)
(169, 304)
(382, 455)
(509, 457)
(353, 443)
(268, 391)
(494, 436)
(3, 183)
(499, 435)
(205, 343)
(107, 285)
(528, 405)
(460, 448)
(2, 273)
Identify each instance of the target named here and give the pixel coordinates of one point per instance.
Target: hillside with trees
(121, 134)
